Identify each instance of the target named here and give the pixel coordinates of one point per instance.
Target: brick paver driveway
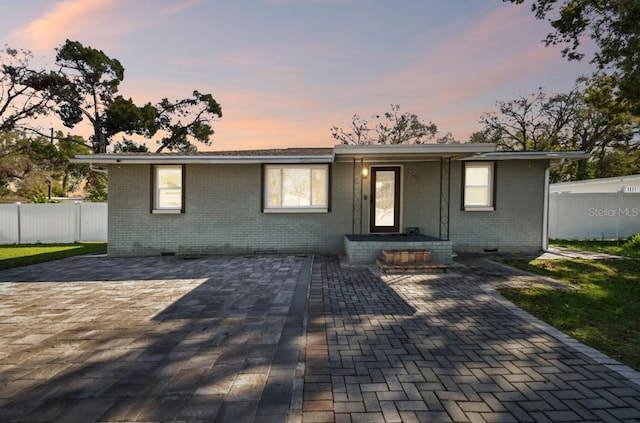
(226, 339)
(440, 349)
(151, 339)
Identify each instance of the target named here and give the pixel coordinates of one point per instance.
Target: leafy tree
(97, 187)
(519, 124)
(616, 163)
(92, 95)
(24, 92)
(128, 146)
(34, 166)
(614, 27)
(392, 127)
(589, 118)
(13, 165)
(95, 79)
(601, 125)
(70, 175)
(25, 166)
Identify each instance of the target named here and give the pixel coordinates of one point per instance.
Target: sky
(286, 71)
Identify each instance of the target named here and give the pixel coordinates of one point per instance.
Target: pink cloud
(68, 19)
(265, 120)
(251, 119)
(297, 2)
(494, 55)
(493, 59)
(181, 6)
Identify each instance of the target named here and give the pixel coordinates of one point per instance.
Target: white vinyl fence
(53, 223)
(594, 215)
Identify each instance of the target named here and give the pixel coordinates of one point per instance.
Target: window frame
(491, 206)
(264, 197)
(155, 190)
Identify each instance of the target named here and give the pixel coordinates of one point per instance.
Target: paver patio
(151, 339)
(443, 348)
(93, 339)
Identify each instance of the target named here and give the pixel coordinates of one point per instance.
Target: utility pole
(49, 178)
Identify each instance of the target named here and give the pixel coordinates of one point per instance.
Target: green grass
(23, 255)
(603, 313)
(619, 248)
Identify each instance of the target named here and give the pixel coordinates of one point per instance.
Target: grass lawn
(23, 255)
(604, 313)
(618, 248)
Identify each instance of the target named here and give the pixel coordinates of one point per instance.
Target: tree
(24, 92)
(92, 95)
(95, 79)
(589, 118)
(97, 187)
(70, 175)
(616, 163)
(601, 125)
(36, 167)
(519, 125)
(612, 25)
(393, 127)
(128, 146)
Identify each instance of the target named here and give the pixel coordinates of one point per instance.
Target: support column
(445, 197)
(356, 219)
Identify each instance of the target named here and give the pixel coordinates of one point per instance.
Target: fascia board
(107, 159)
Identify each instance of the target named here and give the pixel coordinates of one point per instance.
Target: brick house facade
(307, 200)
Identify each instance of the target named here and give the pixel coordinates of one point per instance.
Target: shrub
(633, 243)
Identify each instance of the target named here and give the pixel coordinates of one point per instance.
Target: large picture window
(168, 189)
(296, 188)
(478, 194)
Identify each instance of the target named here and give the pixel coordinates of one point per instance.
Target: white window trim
(156, 209)
(491, 187)
(301, 209)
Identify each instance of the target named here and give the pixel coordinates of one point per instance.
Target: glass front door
(385, 200)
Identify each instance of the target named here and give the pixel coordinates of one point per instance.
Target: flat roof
(370, 153)
(531, 155)
(410, 152)
(286, 155)
(626, 178)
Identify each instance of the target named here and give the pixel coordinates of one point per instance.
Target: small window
(478, 192)
(296, 188)
(168, 189)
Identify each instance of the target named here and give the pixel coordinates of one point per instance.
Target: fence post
(619, 214)
(78, 221)
(19, 223)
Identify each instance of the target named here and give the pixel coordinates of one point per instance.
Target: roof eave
(531, 155)
(410, 152)
(109, 159)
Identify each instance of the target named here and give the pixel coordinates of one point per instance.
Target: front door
(385, 200)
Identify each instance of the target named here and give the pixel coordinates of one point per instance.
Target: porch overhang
(410, 152)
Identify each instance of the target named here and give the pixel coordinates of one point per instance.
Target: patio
(233, 338)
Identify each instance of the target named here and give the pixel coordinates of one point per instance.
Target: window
(296, 188)
(168, 184)
(478, 182)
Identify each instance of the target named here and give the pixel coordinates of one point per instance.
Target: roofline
(404, 152)
(431, 149)
(598, 181)
(531, 155)
(106, 159)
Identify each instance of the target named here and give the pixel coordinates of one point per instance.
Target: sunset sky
(286, 71)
